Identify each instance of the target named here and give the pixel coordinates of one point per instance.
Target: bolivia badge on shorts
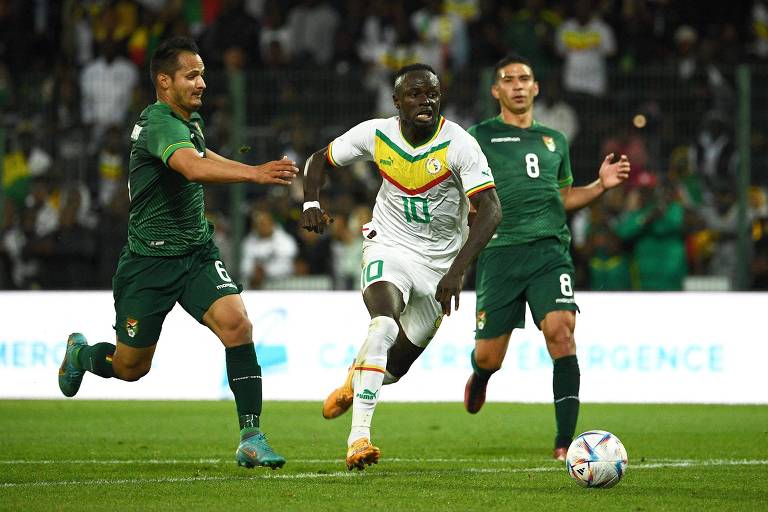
(480, 320)
(131, 326)
(549, 142)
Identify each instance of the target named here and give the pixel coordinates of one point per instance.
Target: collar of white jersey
(439, 127)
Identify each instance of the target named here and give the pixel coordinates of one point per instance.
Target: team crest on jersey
(549, 142)
(480, 320)
(433, 165)
(131, 326)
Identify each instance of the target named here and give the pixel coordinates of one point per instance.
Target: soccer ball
(596, 459)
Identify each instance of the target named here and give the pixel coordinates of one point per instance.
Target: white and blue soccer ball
(596, 459)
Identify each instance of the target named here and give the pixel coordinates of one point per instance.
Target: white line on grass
(496, 460)
(348, 474)
(228, 461)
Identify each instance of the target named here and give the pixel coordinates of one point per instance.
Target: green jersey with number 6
(530, 166)
(167, 211)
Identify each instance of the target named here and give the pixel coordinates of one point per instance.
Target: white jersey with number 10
(422, 204)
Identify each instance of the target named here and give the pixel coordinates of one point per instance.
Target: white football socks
(370, 365)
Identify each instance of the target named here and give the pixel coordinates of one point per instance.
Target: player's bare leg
(558, 327)
(486, 360)
(400, 358)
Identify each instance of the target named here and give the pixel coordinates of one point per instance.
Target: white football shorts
(416, 281)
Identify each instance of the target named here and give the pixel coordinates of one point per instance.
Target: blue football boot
(70, 376)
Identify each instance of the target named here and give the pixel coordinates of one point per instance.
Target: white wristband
(311, 204)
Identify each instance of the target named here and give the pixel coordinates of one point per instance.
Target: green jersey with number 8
(530, 166)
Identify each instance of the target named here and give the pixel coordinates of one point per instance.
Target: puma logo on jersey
(505, 139)
(388, 161)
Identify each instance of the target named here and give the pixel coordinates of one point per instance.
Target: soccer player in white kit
(418, 244)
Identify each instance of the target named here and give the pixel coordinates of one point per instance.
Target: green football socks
(565, 385)
(96, 359)
(482, 373)
(244, 375)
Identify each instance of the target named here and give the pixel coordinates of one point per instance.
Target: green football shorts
(146, 288)
(539, 273)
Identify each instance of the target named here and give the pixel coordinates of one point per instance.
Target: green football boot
(254, 450)
(70, 376)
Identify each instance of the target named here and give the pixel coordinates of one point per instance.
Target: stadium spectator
(24, 160)
(347, 247)
(107, 86)
(111, 165)
(714, 155)
(312, 26)
(444, 35)
(233, 27)
(315, 254)
(554, 110)
(585, 41)
(530, 31)
(268, 251)
(608, 264)
(654, 224)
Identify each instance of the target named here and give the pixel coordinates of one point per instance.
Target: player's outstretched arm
(486, 219)
(314, 218)
(610, 175)
(217, 169)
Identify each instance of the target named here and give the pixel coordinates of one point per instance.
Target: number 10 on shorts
(373, 271)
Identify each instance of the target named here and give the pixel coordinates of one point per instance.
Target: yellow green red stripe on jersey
(329, 156)
(480, 188)
(413, 174)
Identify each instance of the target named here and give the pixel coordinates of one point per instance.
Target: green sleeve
(166, 134)
(564, 174)
(472, 130)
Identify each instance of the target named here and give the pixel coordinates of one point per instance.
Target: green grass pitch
(130, 455)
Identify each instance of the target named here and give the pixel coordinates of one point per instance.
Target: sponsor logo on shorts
(480, 320)
(226, 285)
(131, 327)
(367, 394)
(565, 300)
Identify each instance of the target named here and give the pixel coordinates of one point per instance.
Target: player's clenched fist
(276, 172)
(315, 219)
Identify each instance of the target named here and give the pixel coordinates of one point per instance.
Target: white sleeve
(354, 145)
(466, 157)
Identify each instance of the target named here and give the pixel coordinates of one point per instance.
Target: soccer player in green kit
(170, 256)
(528, 258)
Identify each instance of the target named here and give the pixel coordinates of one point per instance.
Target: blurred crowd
(665, 84)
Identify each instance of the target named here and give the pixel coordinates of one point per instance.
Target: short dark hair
(511, 58)
(413, 67)
(165, 58)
